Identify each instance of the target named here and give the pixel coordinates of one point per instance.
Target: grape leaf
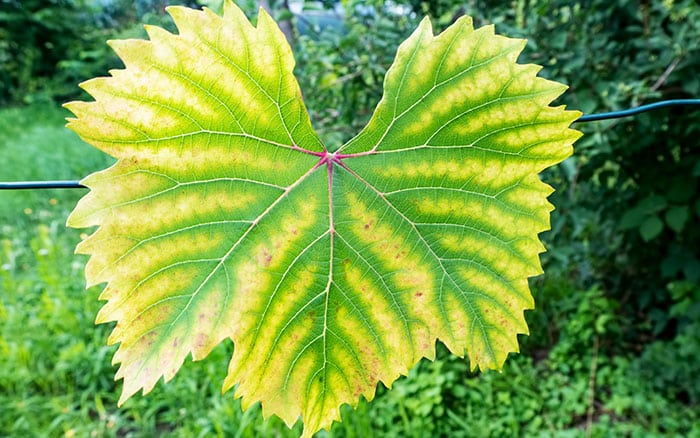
(331, 271)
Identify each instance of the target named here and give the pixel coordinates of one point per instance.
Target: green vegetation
(614, 338)
(56, 378)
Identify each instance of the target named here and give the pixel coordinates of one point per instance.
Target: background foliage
(616, 332)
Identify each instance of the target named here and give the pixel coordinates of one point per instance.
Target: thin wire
(636, 110)
(25, 185)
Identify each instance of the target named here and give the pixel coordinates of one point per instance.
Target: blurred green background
(615, 337)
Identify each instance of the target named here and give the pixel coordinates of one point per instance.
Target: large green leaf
(226, 217)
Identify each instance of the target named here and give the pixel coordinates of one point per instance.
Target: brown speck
(418, 294)
(174, 343)
(201, 340)
(267, 258)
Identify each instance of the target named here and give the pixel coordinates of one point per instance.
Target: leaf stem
(310, 152)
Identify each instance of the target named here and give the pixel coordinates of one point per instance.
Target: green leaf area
(330, 270)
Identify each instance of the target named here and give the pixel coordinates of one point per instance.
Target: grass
(56, 377)
(36, 146)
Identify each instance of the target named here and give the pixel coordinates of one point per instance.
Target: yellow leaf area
(225, 217)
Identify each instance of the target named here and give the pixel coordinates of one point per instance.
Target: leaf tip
(268, 25)
(72, 222)
(111, 43)
(68, 105)
(154, 32)
(173, 9)
(127, 390)
(75, 107)
(426, 25)
(465, 20)
(102, 317)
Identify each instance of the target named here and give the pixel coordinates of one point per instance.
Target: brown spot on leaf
(267, 258)
(418, 294)
(200, 340)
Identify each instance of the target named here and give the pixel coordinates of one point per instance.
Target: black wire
(635, 111)
(23, 185)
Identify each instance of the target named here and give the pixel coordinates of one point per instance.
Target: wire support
(29, 185)
(636, 110)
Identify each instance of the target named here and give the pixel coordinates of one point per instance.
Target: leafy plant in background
(331, 268)
(635, 176)
(627, 201)
(46, 46)
(343, 66)
(609, 45)
(628, 175)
